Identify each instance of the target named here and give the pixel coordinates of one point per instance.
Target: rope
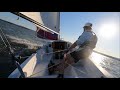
(50, 66)
(44, 70)
(57, 51)
(55, 65)
(66, 62)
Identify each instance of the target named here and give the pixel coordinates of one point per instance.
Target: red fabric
(44, 34)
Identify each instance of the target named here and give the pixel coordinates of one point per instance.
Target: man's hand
(66, 51)
(65, 56)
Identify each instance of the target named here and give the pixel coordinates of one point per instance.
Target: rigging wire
(12, 54)
(5, 38)
(3, 43)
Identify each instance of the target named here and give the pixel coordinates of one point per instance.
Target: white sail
(49, 19)
(33, 15)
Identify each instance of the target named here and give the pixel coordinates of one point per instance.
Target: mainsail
(47, 23)
(33, 15)
(51, 20)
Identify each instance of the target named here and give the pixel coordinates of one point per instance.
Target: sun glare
(96, 58)
(108, 30)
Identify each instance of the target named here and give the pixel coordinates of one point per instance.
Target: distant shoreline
(107, 55)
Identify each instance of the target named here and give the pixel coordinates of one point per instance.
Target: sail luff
(48, 19)
(34, 21)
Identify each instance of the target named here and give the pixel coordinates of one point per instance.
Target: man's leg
(65, 63)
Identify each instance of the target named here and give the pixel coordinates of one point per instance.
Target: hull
(37, 67)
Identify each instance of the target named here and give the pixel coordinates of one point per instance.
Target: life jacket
(92, 42)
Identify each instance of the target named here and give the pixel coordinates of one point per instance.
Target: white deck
(82, 69)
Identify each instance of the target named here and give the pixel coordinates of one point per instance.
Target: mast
(59, 27)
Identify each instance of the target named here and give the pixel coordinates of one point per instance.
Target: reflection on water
(109, 64)
(98, 59)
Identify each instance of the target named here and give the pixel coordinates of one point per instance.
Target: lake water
(109, 64)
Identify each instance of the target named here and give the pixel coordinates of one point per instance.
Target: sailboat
(40, 64)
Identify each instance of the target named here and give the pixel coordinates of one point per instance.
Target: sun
(108, 30)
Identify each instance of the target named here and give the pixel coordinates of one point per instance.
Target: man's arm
(72, 46)
(78, 42)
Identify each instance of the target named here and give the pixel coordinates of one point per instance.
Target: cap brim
(87, 26)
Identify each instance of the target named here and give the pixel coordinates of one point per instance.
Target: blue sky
(105, 24)
(72, 26)
(7, 16)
